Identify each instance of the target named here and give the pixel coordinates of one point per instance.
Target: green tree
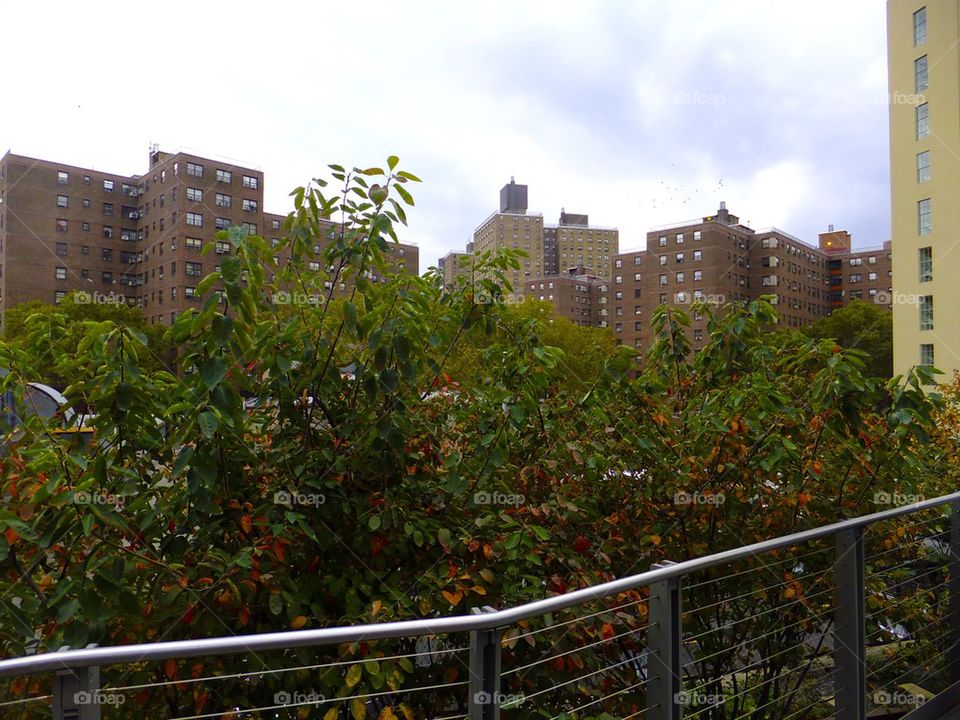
(861, 326)
(371, 495)
(68, 322)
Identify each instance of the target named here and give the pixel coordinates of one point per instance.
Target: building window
(61, 273)
(697, 255)
(190, 292)
(85, 202)
(275, 224)
(223, 200)
(679, 258)
(58, 296)
(926, 312)
(63, 177)
(128, 190)
(926, 354)
(924, 217)
(194, 243)
(250, 182)
(85, 250)
(249, 205)
(923, 120)
(663, 241)
(195, 219)
(251, 228)
(106, 254)
(62, 249)
(618, 263)
(662, 260)
(224, 176)
(223, 247)
(637, 277)
(108, 208)
(61, 225)
(920, 27)
(925, 261)
(62, 201)
(108, 186)
(920, 73)
(871, 276)
(663, 279)
(855, 262)
(696, 235)
(194, 269)
(221, 223)
(697, 275)
(617, 280)
(106, 277)
(923, 166)
(194, 194)
(108, 231)
(679, 238)
(194, 169)
(680, 277)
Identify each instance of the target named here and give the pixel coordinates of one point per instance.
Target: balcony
(860, 620)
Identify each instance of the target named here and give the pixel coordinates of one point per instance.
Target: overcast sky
(639, 113)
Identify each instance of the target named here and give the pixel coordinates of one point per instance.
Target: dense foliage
(862, 326)
(378, 475)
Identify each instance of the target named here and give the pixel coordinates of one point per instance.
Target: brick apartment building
(133, 238)
(552, 250)
(715, 259)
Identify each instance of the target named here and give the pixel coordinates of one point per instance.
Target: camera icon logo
(282, 698)
(282, 497)
(482, 498)
(81, 497)
(882, 297)
(281, 298)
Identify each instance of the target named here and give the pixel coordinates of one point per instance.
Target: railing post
(484, 700)
(953, 587)
(76, 694)
(663, 649)
(849, 639)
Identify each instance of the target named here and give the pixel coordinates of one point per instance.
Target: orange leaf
(11, 535)
(453, 598)
(606, 631)
(298, 622)
(246, 523)
(171, 668)
(244, 616)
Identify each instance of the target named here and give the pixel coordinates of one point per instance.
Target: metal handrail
(105, 656)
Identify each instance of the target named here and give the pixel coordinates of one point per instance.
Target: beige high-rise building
(923, 52)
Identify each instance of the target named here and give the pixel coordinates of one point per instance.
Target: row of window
(662, 240)
(63, 178)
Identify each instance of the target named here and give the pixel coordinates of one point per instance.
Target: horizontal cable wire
(924, 676)
(24, 701)
(779, 608)
(765, 566)
(570, 652)
(803, 710)
(913, 579)
(581, 618)
(785, 627)
(915, 644)
(599, 700)
(905, 618)
(752, 592)
(584, 677)
(903, 546)
(887, 571)
(921, 591)
(278, 671)
(325, 701)
(917, 524)
(786, 698)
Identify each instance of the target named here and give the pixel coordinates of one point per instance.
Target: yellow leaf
(655, 539)
(479, 590)
(387, 714)
(377, 605)
(353, 675)
(453, 598)
(332, 714)
(487, 575)
(407, 712)
(358, 708)
(298, 622)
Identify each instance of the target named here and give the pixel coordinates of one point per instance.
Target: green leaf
(402, 192)
(123, 395)
(374, 522)
(392, 161)
(221, 327)
(354, 673)
(208, 423)
(275, 603)
(513, 541)
(213, 371)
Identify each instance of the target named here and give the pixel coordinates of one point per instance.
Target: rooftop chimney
(723, 205)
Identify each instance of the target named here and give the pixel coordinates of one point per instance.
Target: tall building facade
(551, 249)
(923, 47)
(128, 238)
